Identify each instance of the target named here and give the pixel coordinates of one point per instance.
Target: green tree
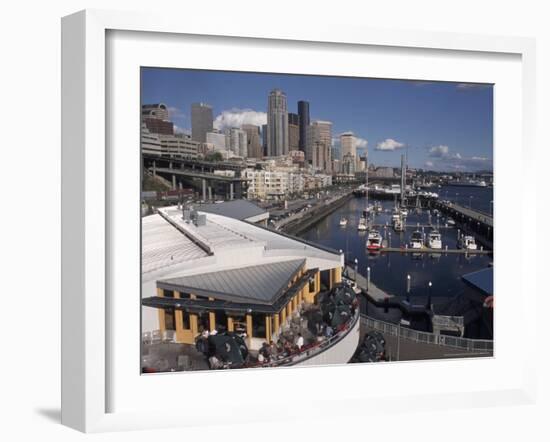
(214, 156)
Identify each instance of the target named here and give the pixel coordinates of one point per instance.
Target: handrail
(313, 350)
(429, 338)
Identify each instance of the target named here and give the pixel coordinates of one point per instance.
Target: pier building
(205, 271)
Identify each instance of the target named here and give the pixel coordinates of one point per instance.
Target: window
(258, 325)
(169, 319)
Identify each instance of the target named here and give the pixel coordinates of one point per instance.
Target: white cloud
(389, 144)
(444, 158)
(440, 151)
(175, 113)
(429, 164)
(362, 143)
(181, 130)
(237, 117)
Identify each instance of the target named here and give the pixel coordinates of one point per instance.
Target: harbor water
(389, 270)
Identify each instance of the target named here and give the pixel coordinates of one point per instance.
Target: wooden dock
(440, 251)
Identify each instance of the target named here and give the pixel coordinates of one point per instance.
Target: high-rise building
(157, 119)
(217, 140)
(236, 141)
(303, 113)
(157, 111)
(293, 131)
(319, 145)
(349, 164)
(264, 139)
(277, 124)
(348, 145)
(254, 146)
(202, 121)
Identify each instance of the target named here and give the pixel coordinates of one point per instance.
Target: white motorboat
(343, 222)
(434, 240)
(395, 215)
(362, 226)
(416, 240)
(374, 240)
(450, 222)
(467, 242)
(398, 224)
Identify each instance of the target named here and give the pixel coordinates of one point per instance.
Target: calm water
(478, 198)
(389, 270)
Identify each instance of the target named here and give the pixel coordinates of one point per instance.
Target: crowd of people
(271, 352)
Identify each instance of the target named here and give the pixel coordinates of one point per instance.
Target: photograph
(309, 220)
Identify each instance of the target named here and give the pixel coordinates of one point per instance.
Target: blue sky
(440, 125)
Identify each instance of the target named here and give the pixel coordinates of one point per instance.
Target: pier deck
(404, 349)
(428, 250)
(475, 215)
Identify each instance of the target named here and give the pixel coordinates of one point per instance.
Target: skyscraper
(157, 119)
(236, 141)
(277, 124)
(254, 148)
(264, 139)
(201, 121)
(293, 131)
(348, 144)
(319, 144)
(303, 113)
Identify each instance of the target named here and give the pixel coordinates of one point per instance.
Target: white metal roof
(164, 246)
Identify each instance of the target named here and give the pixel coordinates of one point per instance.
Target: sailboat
(364, 220)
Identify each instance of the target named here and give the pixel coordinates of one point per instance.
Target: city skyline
(441, 126)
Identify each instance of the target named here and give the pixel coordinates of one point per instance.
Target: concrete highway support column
(204, 189)
(173, 182)
(210, 193)
(231, 191)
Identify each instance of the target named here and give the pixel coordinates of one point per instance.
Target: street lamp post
(368, 278)
(408, 288)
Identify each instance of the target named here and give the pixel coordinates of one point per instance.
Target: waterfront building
(179, 146)
(205, 271)
(382, 172)
(169, 146)
(267, 184)
(277, 124)
(202, 121)
(317, 181)
(297, 156)
(240, 209)
(150, 143)
(217, 140)
(303, 114)
(254, 145)
(236, 141)
(361, 165)
(293, 131)
(296, 183)
(319, 145)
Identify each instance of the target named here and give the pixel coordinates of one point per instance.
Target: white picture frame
(86, 202)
